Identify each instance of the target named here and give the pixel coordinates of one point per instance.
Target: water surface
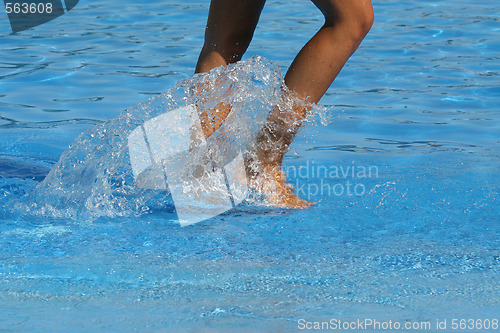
(418, 100)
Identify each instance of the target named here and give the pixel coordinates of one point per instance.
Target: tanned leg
(230, 28)
(229, 31)
(310, 75)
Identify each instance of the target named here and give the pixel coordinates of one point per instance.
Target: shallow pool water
(405, 176)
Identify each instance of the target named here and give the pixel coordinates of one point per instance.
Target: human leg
(229, 30)
(321, 59)
(309, 76)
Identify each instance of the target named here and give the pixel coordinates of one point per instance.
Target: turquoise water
(415, 240)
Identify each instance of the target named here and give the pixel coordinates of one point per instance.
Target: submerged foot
(271, 183)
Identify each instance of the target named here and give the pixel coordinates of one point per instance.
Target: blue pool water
(411, 236)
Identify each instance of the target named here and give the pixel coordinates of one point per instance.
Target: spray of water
(114, 169)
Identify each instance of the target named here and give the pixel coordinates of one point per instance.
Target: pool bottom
(205, 309)
(420, 248)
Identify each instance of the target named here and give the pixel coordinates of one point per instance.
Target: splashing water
(119, 167)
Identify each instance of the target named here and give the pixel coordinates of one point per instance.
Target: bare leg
(310, 75)
(230, 28)
(321, 59)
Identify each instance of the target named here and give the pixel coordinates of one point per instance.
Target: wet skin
(230, 28)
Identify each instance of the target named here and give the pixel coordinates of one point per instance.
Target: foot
(271, 183)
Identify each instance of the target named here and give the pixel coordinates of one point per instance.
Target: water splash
(102, 174)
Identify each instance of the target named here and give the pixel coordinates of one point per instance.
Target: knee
(364, 21)
(355, 17)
